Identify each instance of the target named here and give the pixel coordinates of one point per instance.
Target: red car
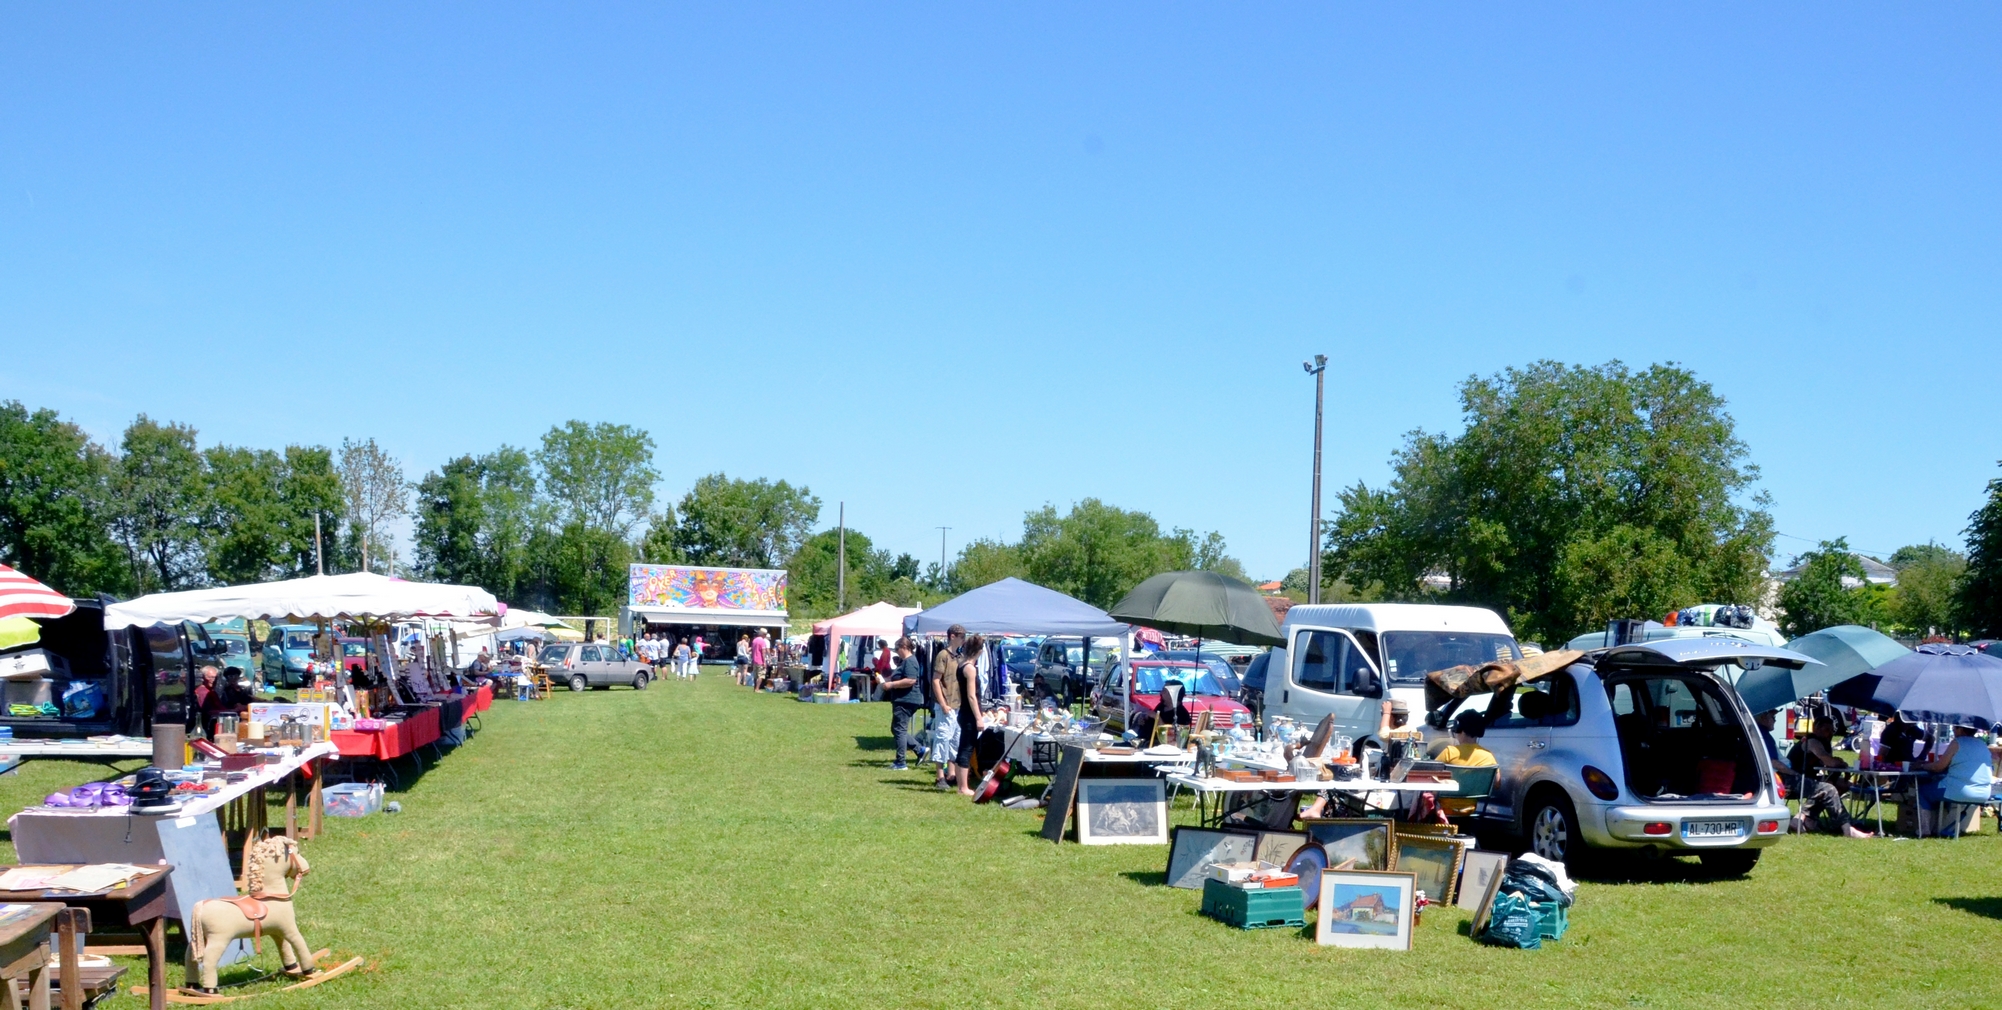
(1200, 693)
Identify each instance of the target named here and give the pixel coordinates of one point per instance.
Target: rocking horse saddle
(253, 908)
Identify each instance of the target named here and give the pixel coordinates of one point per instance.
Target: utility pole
(941, 555)
(1318, 369)
(841, 564)
(319, 561)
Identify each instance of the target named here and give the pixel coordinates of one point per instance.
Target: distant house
(1269, 588)
(1367, 908)
(1875, 573)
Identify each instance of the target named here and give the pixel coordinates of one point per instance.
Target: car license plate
(1711, 829)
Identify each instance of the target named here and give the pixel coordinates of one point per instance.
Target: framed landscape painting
(1277, 847)
(1363, 840)
(1360, 908)
(1434, 861)
(1122, 812)
(1195, 850)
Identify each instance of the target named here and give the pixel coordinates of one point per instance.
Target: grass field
(698, 846)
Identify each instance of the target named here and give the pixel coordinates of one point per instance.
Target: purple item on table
(56, 800)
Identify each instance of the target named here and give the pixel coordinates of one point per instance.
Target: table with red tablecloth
(397, 738)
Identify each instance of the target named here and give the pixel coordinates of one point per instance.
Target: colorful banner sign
(684, 588)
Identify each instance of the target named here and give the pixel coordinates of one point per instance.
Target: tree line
(1578, 494)
(553, 527)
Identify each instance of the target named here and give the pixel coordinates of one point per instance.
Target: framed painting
(1434, 861)
(1122, 812)
(1195, 850)
(1363, 908)
(1477, 869)
(1486, 904)
(1367, 841)
(1276, 847)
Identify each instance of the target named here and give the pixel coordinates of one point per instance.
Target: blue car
(288, 655)
(1226, 675)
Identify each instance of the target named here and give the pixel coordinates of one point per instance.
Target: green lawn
(694, 845)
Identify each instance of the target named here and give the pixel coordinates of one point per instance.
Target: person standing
(759, 647)
(945, 704)
(681, 660)
(904, 689)
(743, 660)
(971, 722)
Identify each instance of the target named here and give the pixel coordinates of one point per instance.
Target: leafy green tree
(375, 494)
(743, 523)
(582, 570)
(1816, 598)
(1928, 575)
(1978, 601)
(1098, 553)
(56, 504)
(309, 489)
(1572, 494)
(599, 475)
(475, 519)
(984, 562)
(160, 488)
(245, 513)
(813, 574)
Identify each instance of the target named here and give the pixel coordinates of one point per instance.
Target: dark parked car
(1021, 663)
(1061, 671)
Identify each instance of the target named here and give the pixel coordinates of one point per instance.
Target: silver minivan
(593, 664)
(1641, 746)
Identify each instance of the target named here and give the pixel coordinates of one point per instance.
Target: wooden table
(141, 906)
(24, 950)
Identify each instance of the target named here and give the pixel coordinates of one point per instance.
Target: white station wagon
(1634, 747)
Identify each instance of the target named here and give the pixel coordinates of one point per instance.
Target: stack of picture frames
(1361, 875)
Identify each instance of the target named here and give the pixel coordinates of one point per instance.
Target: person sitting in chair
(1819, 800)
(1466, 752)
(1964, 774)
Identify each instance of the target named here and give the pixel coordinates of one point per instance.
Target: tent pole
(1126, 656)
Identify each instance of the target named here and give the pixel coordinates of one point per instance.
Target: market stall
(875, 621)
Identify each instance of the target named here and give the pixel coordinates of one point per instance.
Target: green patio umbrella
(1845, 651)
(1202, 605)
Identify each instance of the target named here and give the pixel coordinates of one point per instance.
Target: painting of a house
(1368, 908)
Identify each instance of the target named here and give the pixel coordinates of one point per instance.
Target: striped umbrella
(21, 596)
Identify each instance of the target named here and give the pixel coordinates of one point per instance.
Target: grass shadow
(1145, 878)
(1987, 907)
(875, 743)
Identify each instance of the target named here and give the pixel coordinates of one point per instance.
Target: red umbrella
(21, 596)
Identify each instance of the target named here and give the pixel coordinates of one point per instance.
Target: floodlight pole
(1318, 369)
(941, 555)
(841, 563)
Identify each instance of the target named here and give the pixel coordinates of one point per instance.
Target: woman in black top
(969, 710)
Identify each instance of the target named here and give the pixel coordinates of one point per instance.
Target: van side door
(1330, 675)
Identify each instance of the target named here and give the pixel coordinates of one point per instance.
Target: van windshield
(1409, 655)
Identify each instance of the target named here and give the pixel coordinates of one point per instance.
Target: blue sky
(950, 262)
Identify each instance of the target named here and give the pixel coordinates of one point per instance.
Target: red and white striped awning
(21, 596)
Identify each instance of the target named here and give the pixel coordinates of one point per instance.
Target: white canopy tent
(315, 598)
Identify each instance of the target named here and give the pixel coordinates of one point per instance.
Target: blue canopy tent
(1014, 607)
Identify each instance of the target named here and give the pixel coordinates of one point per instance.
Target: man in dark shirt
(945, 704)
(903, 688)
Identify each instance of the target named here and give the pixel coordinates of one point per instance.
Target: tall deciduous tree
(746, 523)
(1978, 601)
(475, 518)
(1097, 552)
(162, 497)
(1817, 598)
(376, 494)
(1573, 494)
(599, 475)
(1928, 575)
(56, 504)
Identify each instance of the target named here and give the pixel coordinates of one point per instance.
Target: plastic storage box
(1254, 908)
(353, 799)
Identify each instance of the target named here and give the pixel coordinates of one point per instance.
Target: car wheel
(1553, 830)
(639, 681)
(1729, 862)
(578, 683)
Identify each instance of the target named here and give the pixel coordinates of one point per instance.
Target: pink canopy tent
(877, 620)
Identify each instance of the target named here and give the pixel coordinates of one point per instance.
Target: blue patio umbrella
(1845, 651)
(1937, 683)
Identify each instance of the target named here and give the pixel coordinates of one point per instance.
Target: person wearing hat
(1466, 752)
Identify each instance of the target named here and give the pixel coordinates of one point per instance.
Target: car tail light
(1657, 828)
(1601, 784)
(1779, 787)
(1769, 827)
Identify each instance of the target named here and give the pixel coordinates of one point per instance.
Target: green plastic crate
(1551, 919)
(1254, 908)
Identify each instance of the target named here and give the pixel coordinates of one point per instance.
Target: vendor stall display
(1434, 860)
(1122, 812)
(125, 903)
(1365, 841)
(1193, 851)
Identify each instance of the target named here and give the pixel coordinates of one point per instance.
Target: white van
(1345, 659)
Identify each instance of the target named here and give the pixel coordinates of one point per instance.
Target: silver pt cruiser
(1636, 747)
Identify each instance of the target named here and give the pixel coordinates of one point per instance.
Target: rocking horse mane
(277, 849)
